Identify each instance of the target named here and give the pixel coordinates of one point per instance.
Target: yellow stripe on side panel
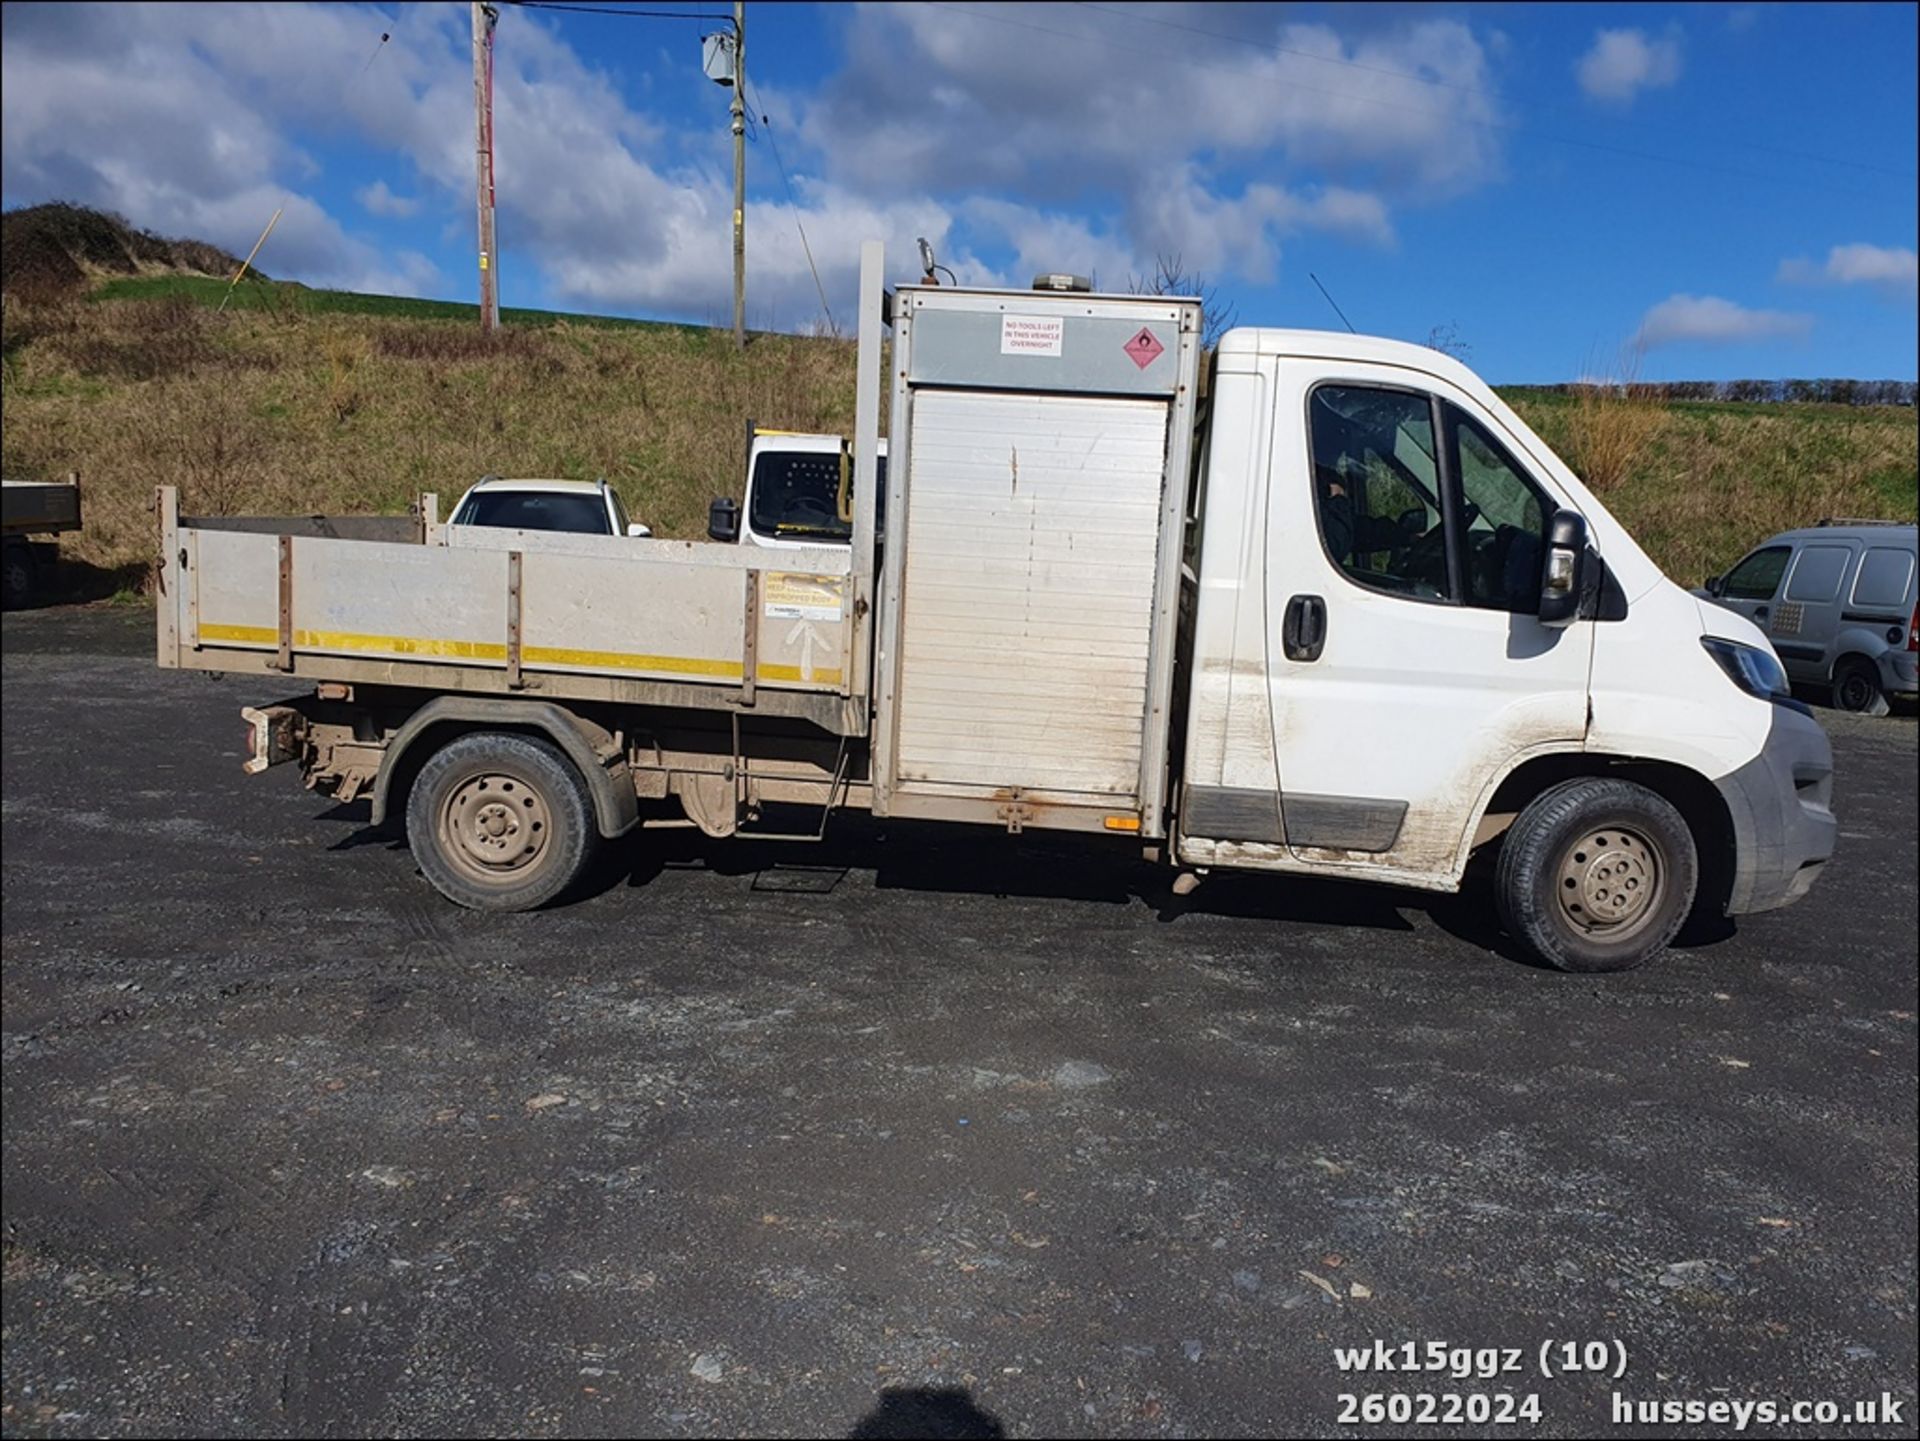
(240, 634)
(820, 675)
(622, 660)
(400, 645)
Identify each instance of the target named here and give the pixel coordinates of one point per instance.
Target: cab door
(1407, 666)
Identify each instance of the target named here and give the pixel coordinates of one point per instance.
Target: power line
(794, 206)
(1334, 303)
(1474, 90)
(1595, 145)
(566, 6)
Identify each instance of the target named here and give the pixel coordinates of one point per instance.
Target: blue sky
(1694, 191)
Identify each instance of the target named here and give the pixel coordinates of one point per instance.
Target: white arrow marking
(804, 633)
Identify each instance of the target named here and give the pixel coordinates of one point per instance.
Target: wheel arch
(590, 748)
(1698, 799)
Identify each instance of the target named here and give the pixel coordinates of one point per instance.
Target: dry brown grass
(1611, 433)
(1713, 478)
(290, 413)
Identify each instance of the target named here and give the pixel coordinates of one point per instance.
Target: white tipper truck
(1314, 604)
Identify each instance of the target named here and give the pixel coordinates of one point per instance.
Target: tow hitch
(275, 733)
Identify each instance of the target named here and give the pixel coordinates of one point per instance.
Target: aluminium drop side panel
(591, 607)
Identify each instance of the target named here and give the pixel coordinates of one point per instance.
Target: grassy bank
(290, 300)
(294, 410)
(304, 401)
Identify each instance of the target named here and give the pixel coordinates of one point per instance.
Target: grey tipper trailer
(29, 508)
(1004, 654)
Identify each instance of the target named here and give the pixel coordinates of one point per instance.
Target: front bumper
(1781, 804)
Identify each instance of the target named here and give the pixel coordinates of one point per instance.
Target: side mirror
(723, 519)
(1561, 579)
(1711, 585)
(637, 531)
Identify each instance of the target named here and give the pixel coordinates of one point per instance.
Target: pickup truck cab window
(1758, 576)
(1503, 521)
(796, 495)
(1376, 488)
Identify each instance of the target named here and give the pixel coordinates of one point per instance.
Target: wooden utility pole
(739, 174)
(484, 19)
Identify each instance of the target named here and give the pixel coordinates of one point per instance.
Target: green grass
(280, 296)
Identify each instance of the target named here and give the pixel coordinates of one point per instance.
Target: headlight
(1754, 670)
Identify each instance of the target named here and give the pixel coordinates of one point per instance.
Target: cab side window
(1758, 576)
(1377, 490)
(1503, 521)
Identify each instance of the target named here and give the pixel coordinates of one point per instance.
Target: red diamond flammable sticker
(1144, 348)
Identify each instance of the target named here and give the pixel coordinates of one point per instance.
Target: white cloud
(958, 126)
(379, 199)
(1709, 320)
(1894, 270)
(120, 106)
(1622, 63)
(1045, 98)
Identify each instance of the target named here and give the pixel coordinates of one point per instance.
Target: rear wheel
(500, 821)
(1597, 875)
(16, 574)
(1856, 687)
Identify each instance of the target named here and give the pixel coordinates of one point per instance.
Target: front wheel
(1596, 875)
(500, 821)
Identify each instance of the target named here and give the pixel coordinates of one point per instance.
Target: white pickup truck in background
(799, 491)
(1313, 604)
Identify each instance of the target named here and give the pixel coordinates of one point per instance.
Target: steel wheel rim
(1856, 691)
(1609, 881)
(494, 826)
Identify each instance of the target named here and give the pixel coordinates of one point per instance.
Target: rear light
(1913, 629)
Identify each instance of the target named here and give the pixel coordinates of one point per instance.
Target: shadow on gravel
(67, 581)
(940, 1413)
(926, 856)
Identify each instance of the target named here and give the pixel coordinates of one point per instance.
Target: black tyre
(1596, 875)
(1856, 686)
(500, 822)
(16, 575)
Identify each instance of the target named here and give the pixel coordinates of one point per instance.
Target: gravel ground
(921, 1133)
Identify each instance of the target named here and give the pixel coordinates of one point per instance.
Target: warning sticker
(1144, 348)
(789, 596)
(1031, 334)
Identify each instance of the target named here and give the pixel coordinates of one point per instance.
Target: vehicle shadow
(929, 857)
(940, 1413)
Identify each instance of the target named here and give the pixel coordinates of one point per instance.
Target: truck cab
(1420, 624)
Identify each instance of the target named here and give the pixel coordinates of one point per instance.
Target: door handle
(1303, 629)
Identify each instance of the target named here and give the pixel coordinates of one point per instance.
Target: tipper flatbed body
(31, 508)
(1315, 604)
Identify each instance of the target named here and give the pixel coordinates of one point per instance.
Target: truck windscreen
(536, 510)
(796, 496)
